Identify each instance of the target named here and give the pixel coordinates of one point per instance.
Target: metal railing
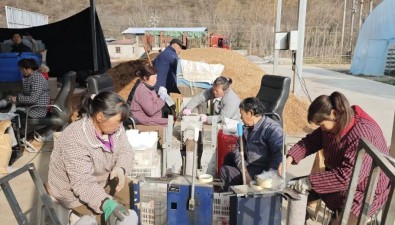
(12, 201)
(380, 163)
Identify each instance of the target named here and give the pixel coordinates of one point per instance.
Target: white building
(124, 49)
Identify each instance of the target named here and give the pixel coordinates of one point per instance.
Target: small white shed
(123, 49)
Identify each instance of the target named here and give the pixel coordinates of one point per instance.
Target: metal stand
(12, 201)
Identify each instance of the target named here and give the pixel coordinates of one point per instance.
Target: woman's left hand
(288, 163)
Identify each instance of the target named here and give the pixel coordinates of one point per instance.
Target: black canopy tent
(69, 43)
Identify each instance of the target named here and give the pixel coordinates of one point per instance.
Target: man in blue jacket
(166, 64)
(262, 141)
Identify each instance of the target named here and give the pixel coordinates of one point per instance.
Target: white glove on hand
(302, 185)
(203, 118)
(186, 112)
(119, 173)
(169, 101)
(163, 96)
(162, 90)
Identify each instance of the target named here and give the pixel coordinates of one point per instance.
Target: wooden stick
(146, 51)
(243, 170)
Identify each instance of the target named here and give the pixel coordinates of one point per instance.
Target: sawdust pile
(246, 82)
(124, 76)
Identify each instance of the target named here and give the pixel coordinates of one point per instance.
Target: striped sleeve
(307, 146)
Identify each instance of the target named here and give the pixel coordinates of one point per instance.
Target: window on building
(118, 49)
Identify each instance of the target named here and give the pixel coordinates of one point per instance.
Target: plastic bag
(270, 180)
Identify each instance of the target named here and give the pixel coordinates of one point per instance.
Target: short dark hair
(253, 104)
(107, 102)
(28, 64)
(20, 35)
(146, 71)
(224, 81)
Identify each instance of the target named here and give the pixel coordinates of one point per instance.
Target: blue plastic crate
(9, 70)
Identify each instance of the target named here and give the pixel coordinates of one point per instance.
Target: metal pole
(360, 14)
(343, 26)
(371, 6)
(352, 25)
(278, 27)
(300, 48)
(392, 148)
(93, 30)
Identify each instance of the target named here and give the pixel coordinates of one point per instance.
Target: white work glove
(186, 112)
(203, 118)
(167, 99)
(119, 173)
(301, 185)
(162, 90)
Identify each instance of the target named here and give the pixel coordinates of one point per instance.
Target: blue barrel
(9, 70)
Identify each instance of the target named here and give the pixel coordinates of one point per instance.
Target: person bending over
(226, 101)
(341, 127)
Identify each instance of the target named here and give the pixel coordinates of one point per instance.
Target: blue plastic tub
(9, 71)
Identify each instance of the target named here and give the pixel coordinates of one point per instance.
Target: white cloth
(200, 71)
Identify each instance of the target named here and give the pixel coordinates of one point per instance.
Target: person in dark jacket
(166, 64)
(18, 45)
(262, 141)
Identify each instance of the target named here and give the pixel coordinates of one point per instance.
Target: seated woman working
(226, 101)
(341, 127)
(262, 142)
(147, 105)
(88, 164)
(35, 90)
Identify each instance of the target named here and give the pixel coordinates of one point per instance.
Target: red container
(226, 143)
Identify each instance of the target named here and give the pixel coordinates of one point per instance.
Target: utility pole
(300, 48)
(371, 6)
(93, 30)
(360, 14)
(343, 26)
(352, 26)
(278, 27)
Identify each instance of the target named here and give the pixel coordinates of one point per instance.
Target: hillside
(248, 24)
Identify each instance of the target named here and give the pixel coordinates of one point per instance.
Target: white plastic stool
(65, 216)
